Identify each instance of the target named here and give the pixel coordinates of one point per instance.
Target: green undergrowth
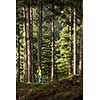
(65, 89)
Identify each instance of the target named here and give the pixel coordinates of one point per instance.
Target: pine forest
(49, 49)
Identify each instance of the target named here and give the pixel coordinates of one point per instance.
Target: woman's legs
(39, 79)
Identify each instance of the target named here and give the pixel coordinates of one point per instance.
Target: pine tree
(25, 46)
(74, 68)
(39, 33)
(53, 45)
(71, 43)
(29, 48)
(57, 49)
(19, 41)
(31, 43)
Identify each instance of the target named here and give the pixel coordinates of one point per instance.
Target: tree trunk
(74, 68)
(39, 34)
(29, 48)
(69, 31)
(81, 58)
(31, 41)
(81, 49)
(25, 46)
(77, 50)
(53, 45)
(71, 43)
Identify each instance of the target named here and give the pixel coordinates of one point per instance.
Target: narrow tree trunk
(81, 49)
(77, 49)
(71, 43)
(53, 45)
(74, 68)
(81, 58)
(77, 68)
(31, 41)
(18, 63)
(25, 46)
(29, 48)
(69, 31)
(39, 34)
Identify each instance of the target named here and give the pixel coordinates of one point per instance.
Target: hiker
(39, 75)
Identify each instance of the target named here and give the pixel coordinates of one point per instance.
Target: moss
(66, 89)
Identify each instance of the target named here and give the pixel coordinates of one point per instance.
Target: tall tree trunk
(81, 49)
(81, 58)
(77, 49)
(39, 34)
(25, 46)
(31, 41)
(69, 31)
(74, 68)
(53, 45)
(18, 63)
(71, 42)
(29, 48)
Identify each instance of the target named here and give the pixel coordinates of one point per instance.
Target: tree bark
(77, 50)
(31, 42)
(81, 58)
(74, 67)
(25, 46)
(69, 31)
(71, 42)
(29, 48)
(53, 45)
(81, 49)
(39, 34)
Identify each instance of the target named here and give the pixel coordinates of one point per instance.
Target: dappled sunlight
(49, 50)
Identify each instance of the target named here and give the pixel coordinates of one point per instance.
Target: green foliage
(63, 53)
(66, 86)
(19, 36)
(62, 35)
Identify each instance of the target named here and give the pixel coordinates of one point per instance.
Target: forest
(49, 49)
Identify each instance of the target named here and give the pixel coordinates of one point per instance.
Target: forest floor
(66, 89)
